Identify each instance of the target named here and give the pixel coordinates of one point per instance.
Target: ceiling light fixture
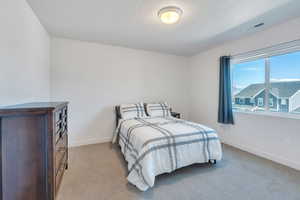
(170, 14)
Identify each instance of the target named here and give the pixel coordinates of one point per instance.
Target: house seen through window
(267, 84)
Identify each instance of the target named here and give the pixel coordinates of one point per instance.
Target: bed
(157, 145)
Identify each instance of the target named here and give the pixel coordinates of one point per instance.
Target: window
(271, 102)
(283, 102)
(242, 101)
(272, 73)
(244, 74)
(260, 102)
(285, 80)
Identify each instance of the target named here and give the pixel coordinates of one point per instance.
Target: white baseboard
(275, 158)
(77, 143)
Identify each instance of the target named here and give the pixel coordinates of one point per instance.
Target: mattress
(158, 145)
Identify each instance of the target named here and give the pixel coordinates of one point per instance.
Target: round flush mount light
(170, 14)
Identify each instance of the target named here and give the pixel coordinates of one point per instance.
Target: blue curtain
(225, 100)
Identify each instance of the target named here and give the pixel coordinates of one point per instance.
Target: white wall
(95, 78)
(24, 55)
(271, 137)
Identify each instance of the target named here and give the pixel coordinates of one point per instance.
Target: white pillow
(130, 111)
(158, 109)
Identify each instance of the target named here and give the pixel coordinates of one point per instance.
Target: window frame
(285, 102)
(271, 100)
(260, 102)
(266, 54)
(242, 101)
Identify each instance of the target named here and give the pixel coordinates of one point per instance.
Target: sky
(282, 68)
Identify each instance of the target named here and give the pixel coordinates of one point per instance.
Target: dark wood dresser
(33, 150)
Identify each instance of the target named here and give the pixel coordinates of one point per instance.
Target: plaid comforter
(153, 146)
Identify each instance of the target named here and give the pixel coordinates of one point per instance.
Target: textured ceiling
(134, 23)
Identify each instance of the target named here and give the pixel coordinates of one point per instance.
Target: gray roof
(279, 89)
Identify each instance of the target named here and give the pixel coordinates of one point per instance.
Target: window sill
(270, 114)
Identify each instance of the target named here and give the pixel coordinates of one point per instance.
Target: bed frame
(118, 117)
(118, 114)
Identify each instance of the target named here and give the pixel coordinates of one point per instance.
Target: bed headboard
(118, 114)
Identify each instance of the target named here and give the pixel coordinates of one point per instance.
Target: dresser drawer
(58, 115)
(65, 123)
(60, 150)
(58, 130)
(60, 173)
(61, 122)
(65, 111)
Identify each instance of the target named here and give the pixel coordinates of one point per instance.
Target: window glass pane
(285, 83)
(248, 84)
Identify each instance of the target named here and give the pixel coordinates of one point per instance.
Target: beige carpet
(98, 172)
